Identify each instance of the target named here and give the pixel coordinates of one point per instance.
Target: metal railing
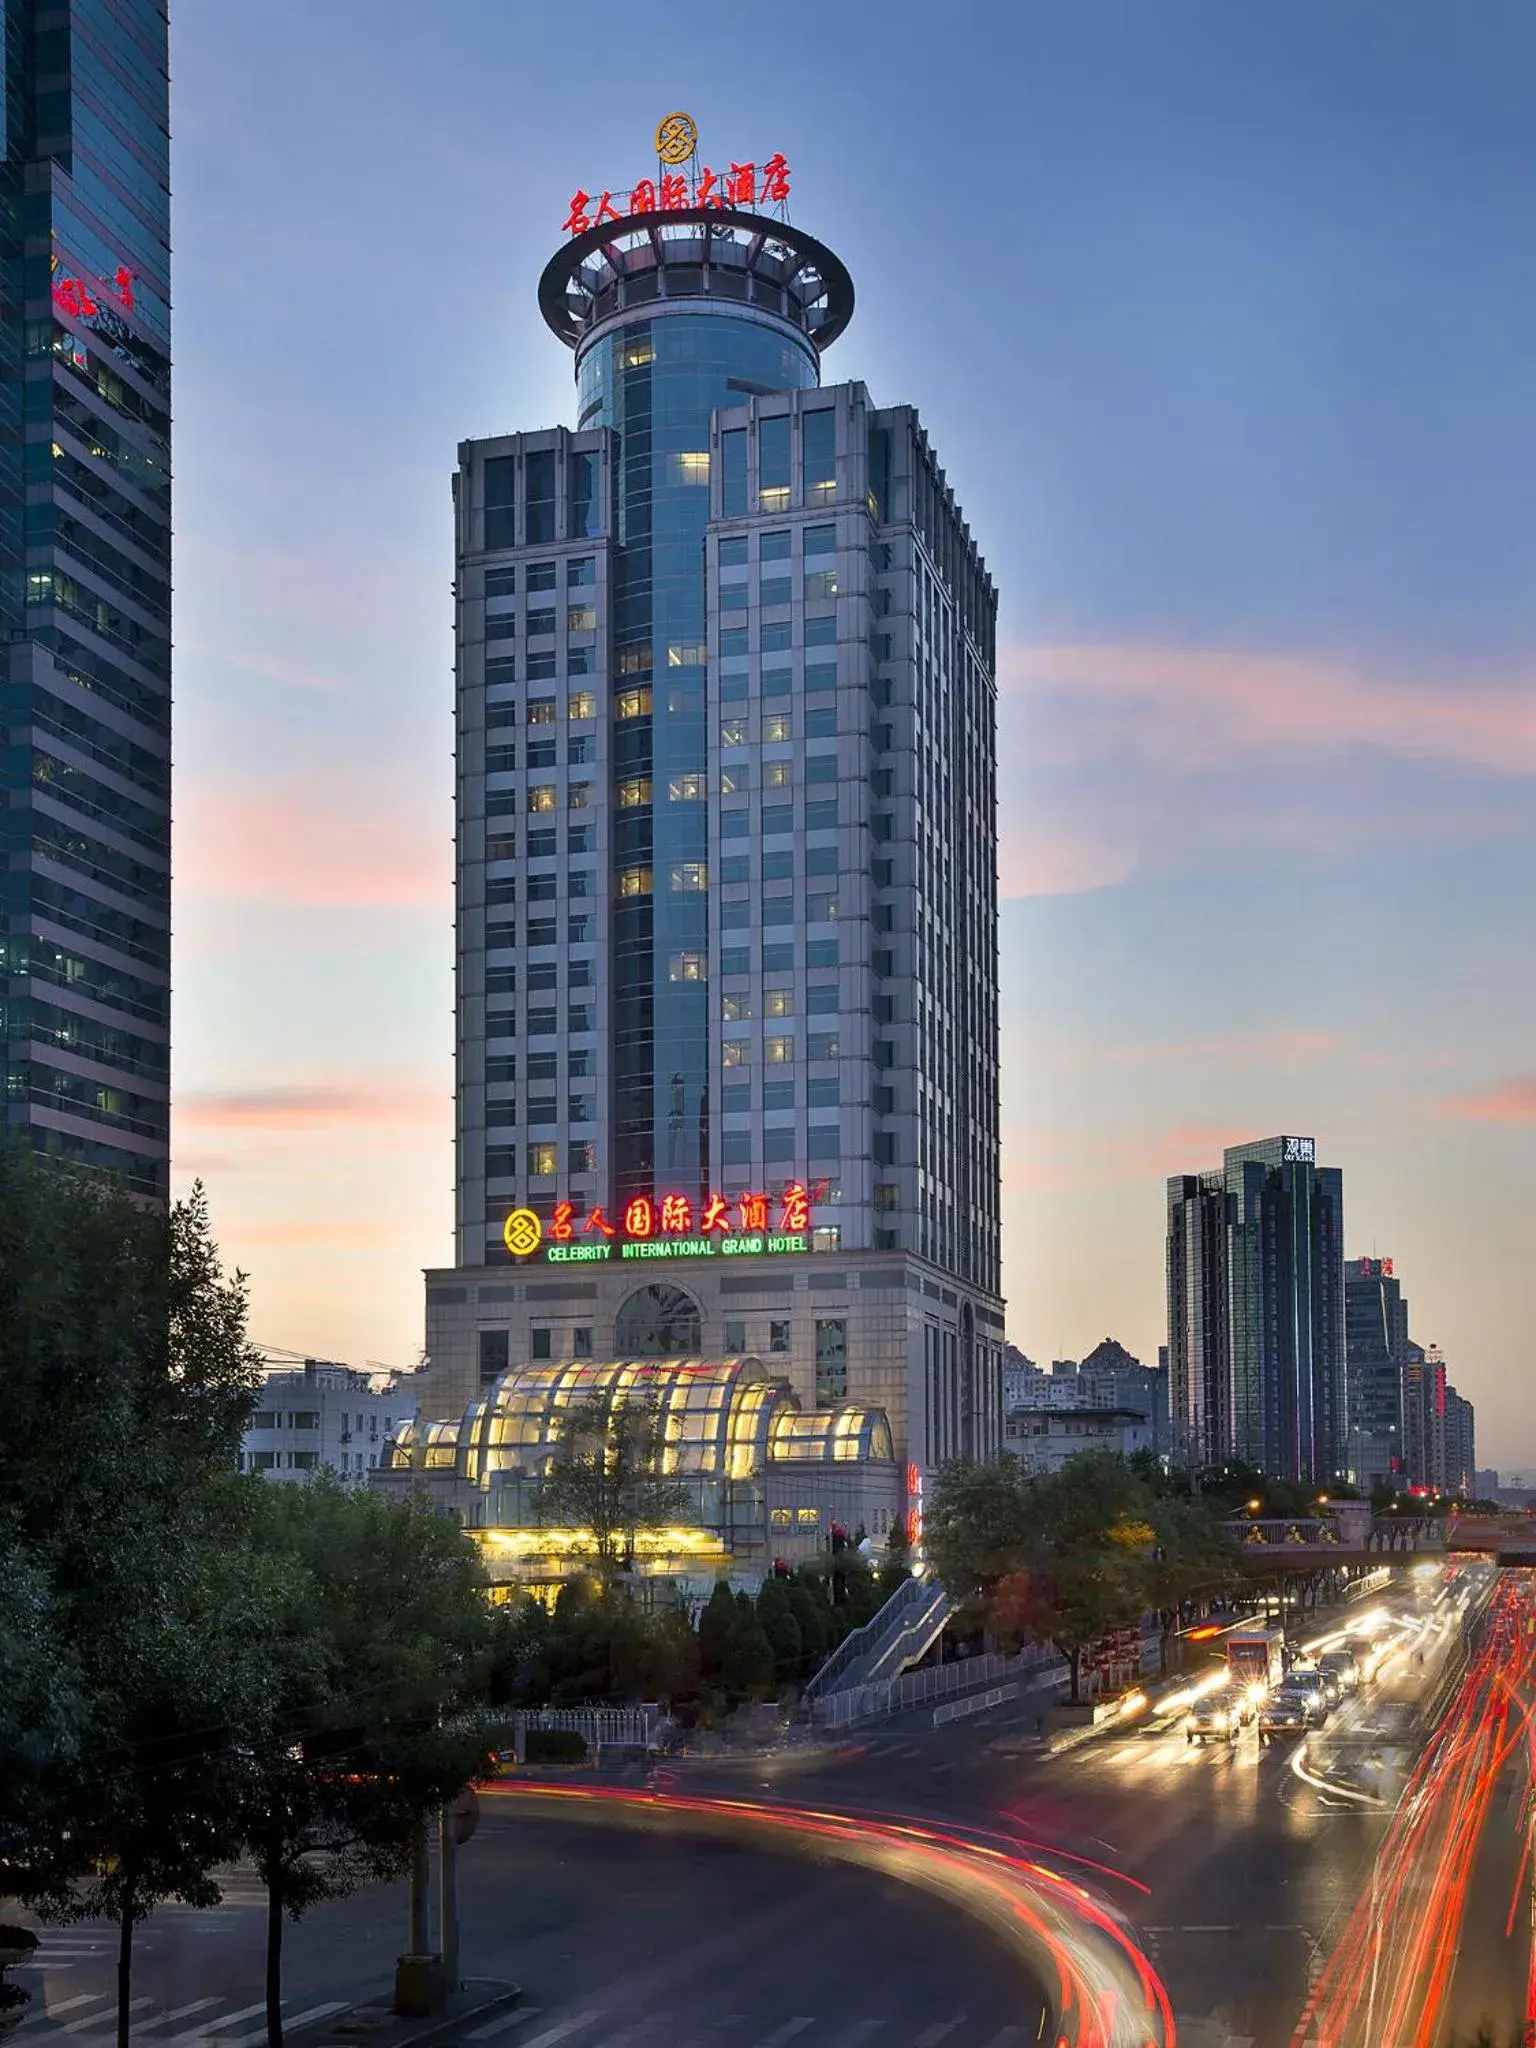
(599, 1727)
(879, 1698)
(909, 1594)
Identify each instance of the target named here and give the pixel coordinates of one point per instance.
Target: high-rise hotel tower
(85, 582)
(727, 910)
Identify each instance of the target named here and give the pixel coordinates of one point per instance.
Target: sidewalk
(483, 2009)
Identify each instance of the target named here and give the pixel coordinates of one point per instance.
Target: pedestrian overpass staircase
(903, 1631)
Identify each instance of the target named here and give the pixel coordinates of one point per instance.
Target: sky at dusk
(1223, 322)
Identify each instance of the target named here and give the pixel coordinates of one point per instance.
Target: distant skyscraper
(85, 581)
(1460, 1444)
(1256, 1311)
(1199, 1320)
(727, 920)
(1376, 1347)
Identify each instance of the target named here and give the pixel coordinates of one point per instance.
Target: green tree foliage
(776, 1612)
(715, 1623)
(1066, 1556)
(379, 1640)
(607, 1479)
(747, 1665)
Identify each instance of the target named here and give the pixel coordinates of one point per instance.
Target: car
(1287, 1713)
(1341, 1665)
(1307, 1678)
(1219, 1715)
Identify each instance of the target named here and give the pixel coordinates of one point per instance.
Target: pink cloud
(1511, 1102)
(1280, 1048)
(306, 1108)
(1039, 1160)
(312, 840)
(1192, 706)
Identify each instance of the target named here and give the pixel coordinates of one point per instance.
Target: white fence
(885, 1696)
(598, 1727)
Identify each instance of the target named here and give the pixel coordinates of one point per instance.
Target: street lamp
(1254, 1506)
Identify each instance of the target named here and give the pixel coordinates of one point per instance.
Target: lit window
(686, 654)
(691, 466)
(778, 1002)
(634, 661)
(773, 498)
(736, 1052)
(689, 874)
(734, 780)
(775, 726)
(543, 1158)
(582, 618)
(820, 909)
(634, 882)
(826, 1237)
(777, 775)
(632, 794)
(637, 354)
(808, 1518)
(820, 583)
(541, 710)
(822, 1045)
(582, 704)
(632, 704)
(687, 967)
(579, 796)
(778, 1518)
(734, 1009)
(686, 789)
(541, 796)
(733, 732)
(778, 1052)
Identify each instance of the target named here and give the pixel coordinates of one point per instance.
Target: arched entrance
(658, 1322)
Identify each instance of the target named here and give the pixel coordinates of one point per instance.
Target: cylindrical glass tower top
(672, 318)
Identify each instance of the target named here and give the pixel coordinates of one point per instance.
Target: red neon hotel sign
(670, 1226)
(682, 182)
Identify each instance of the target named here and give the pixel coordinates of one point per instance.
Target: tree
(775, 1610)
(378, 1644)
(715, 1624)
(814, 1618)
(125, 1380)
(606, 1479)
(747, 1665)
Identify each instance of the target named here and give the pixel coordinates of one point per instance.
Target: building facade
(1255, 1264)
(85, 582)
(758, 1479)
(727, 924)
(1460, 1446)
(1376, 1346)
(324, 1417)
(1045, 1437)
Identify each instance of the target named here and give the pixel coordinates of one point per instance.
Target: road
(619, 1941)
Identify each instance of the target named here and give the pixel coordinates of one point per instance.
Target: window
(541, 710)
(819, 675)
(820, 909)
(736, 1052)
(540, 622)
(735, 867)
(304, 1418)
(733, 551)
(493, 1355)
(580, 570)
(778, 1336)
(638, 353)
(831, 1361)
(778, 818)
(778, 1002)
(304, 1461)
(822, 1094)
(541, 753)
(821, 768)
(541, 1341)
(778, 1052)
(807, 1518)
(579, 618)
(779, 1095)
(583, 500)
(780, 1518)
(579, 661)
(777, 774)
(733, 732)
(689, 874)
(822, 1045)
(735, 1009)
(633, 882)
(820, 540)
(821, 631)
(500, 486)
(541, 930)
(776, 638)
(774, 547)
(539, 477)
(818, 454)
(733, 641)
(581, 704)
(690, 466)
(820, 584)
(779, 865)
(687, 967)
(775, 590)
(581, 1157)
(541, 668)
(778, 959)
(776, 727)
(826, 1237)
(581, 1341)
(543, 1158)
(582, 751)
(735, 1337)
(501, 582)
(736, 1099)
(632, 704)
(686, 789)
(578, 931)
(578, 796)
(821, 722)
(733, 473)
(734, 780)
(735, 960)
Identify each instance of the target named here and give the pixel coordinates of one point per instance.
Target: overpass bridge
(1302, 1543)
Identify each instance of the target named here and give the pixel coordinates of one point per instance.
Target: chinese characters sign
(672, 1226)
(85, 298)
(1299, 1152)
(745, 185)
(1381, 1268)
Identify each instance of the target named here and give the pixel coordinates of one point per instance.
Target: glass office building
(1256, 1327)
(1376, 1350)
(727, 916)
(85, 584)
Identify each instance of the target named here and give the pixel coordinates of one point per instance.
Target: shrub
(555, 1746)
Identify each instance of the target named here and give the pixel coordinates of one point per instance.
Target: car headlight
(1218, 1720)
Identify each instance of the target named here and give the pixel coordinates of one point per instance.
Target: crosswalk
(88, 2019)
(529, 2027)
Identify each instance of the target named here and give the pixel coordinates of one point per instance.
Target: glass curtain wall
(656, 381)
